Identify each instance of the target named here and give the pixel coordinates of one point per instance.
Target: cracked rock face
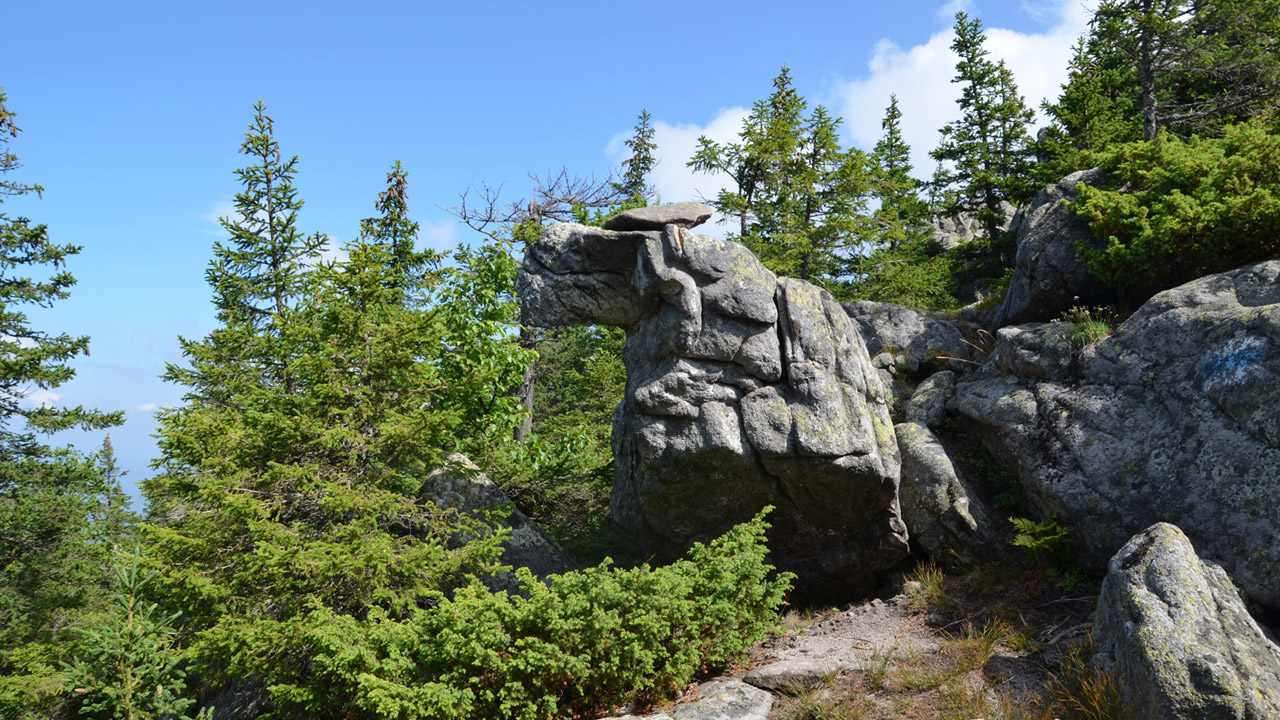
(743, 390)
(1174, 418)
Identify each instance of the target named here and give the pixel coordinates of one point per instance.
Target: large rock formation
(743, 390)
(1174, 634)
(1174, 418)
(1049, 274)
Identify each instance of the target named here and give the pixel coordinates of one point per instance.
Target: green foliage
(798, 198)
(130, 668)
(901, 216)
(1041, 539)
(1172, 211)
(1194, 66)
(289, 483)
(562, 473)
(984, 158)
(60, 510)
(916, 274)
(1099, 107)
(589, 640)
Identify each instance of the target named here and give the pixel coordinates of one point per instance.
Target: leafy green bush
(1174, 211)
(587, 640)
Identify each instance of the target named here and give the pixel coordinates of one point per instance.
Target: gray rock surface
(743, 390)
(725, 700)
(790, 675)
(1049, 274)
(656, 217)
(461, 485)
(928, 404)
(943, 515)
(1175, 635)
(1175, 418)
(916, 342)
(954, 230)
(717, 700)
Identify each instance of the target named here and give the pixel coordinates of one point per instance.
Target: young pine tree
(130, 667)
(985, 157)
(903, 264)
(636, 169)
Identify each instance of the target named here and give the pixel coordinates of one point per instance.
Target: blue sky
(133, 113)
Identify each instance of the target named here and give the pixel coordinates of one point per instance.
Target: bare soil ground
(994, 643)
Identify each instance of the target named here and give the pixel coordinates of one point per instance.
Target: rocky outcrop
(1049, 274)
(1174, 418)
(942, 514)
(1175, 635)
(460, 485)
(743, 390)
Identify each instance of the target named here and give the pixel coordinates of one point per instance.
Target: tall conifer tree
(984, 157)
(60, 510)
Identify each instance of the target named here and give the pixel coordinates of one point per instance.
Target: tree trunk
(529, 341)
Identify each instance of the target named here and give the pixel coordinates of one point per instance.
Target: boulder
(915, 341)
(928, 404)
(1175, 417)
(943, 515)
(656, 217)
(460, 485)
(743, 390)
(1174, 634)
(1049, 274)
(791, 675)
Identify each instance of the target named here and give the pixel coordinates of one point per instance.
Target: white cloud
(921, 77)
(147, 407)
(439, 236)
(212, 218)
(676, 144)
(40, 398)
(948, 10)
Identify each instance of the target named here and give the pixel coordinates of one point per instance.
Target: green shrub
(589, 639)
(1175, 211)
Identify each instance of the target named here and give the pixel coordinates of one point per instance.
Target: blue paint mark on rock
(1230, 364)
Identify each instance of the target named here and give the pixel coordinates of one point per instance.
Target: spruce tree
(798, 197)
(1097, 109)
(636, 168)
(901, 215)
(60, 510)
(985, 157)
(1195, 65)
(289, 494)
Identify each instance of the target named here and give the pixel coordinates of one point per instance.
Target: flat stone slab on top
(656, 217)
